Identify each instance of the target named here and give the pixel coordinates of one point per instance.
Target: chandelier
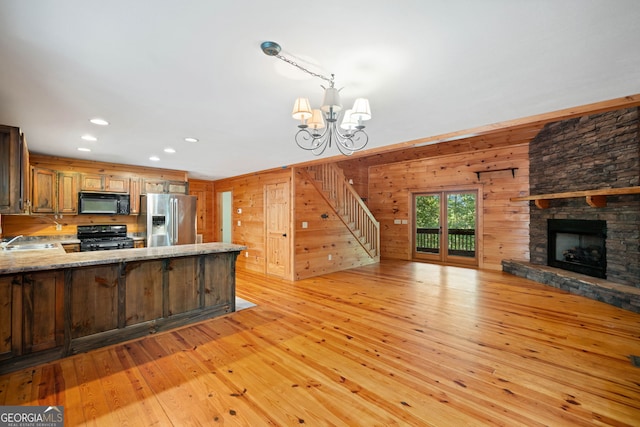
(318, 128)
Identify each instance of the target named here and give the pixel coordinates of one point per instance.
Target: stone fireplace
(596, 152)
(590, 153)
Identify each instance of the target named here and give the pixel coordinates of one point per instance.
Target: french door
(444, 227)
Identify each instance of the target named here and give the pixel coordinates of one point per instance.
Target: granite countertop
(56, 258)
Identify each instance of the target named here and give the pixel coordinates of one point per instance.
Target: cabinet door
(116, 184)
(94, 300)
(178, 187)
(153, 186)
(134, 196)
(67, 193)
(10, 316)
(43, 314)
(44, 191)
(25, 172)
(13, 174)
(184, 286)
(89, 182)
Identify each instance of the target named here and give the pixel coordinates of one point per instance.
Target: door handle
(284, 235)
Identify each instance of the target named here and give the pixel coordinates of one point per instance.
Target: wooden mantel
(594, 198)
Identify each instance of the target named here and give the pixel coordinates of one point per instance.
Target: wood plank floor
(397, 343)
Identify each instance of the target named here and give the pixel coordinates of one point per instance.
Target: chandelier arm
(352, 141)
(307, 141)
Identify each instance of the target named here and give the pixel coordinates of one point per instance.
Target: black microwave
(103, 203)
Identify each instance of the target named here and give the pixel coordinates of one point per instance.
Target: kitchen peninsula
(55, 304)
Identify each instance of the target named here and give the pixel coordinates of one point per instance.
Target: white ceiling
(162, 70)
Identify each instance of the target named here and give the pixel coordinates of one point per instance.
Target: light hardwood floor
(397, 343)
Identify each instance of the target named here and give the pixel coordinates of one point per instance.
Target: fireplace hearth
(578, 245)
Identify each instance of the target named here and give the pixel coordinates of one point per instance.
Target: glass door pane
(461, 224)
(427, 223)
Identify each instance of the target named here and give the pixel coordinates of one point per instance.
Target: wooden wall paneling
(323, 237)
(94, 300)
(248, 195)
(390, 186)
(143, 300)
(205, 206)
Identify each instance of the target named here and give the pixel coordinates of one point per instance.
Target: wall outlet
(58, 227)
(305, 224)
(246, 254)
(330, 257)
(239, 223)
(396, 221)
(405, 221)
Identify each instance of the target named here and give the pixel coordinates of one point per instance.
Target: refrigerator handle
(175, 221)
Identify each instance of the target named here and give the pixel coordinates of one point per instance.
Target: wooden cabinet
(94, 300)
(99, 182)
(67, 193)
(10, 316)
(91, 182)
(43, 182)
(54, 192)
(134, 196)
(32, 315)
(177, 187)
(42, 311)
(71, 247)
(116, 184)
(14, 171)
(164, 186)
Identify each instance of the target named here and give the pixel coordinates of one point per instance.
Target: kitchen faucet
(5, 245)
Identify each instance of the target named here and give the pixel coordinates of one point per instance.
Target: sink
(31, 247)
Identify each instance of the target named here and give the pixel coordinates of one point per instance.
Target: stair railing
(332, 184)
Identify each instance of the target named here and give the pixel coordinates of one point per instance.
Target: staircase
(329, 180)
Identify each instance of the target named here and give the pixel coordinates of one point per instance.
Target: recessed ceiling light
(98, 121)
(154, 158)
(89, 138)
(191, 139)
(84, 149)
(169, 150)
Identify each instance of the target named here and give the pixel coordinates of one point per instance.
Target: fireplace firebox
(578, 245)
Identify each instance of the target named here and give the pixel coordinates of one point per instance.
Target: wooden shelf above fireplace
(594, 198)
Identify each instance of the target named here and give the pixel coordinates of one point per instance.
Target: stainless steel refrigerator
(170, 219)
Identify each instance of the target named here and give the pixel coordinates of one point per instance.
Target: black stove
(103, 237)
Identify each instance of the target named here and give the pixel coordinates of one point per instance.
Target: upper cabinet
(134, 196)
(43, 183)
(67, 193)
(54, 192)
(164, 186)
(14, 171)
(97, 182)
